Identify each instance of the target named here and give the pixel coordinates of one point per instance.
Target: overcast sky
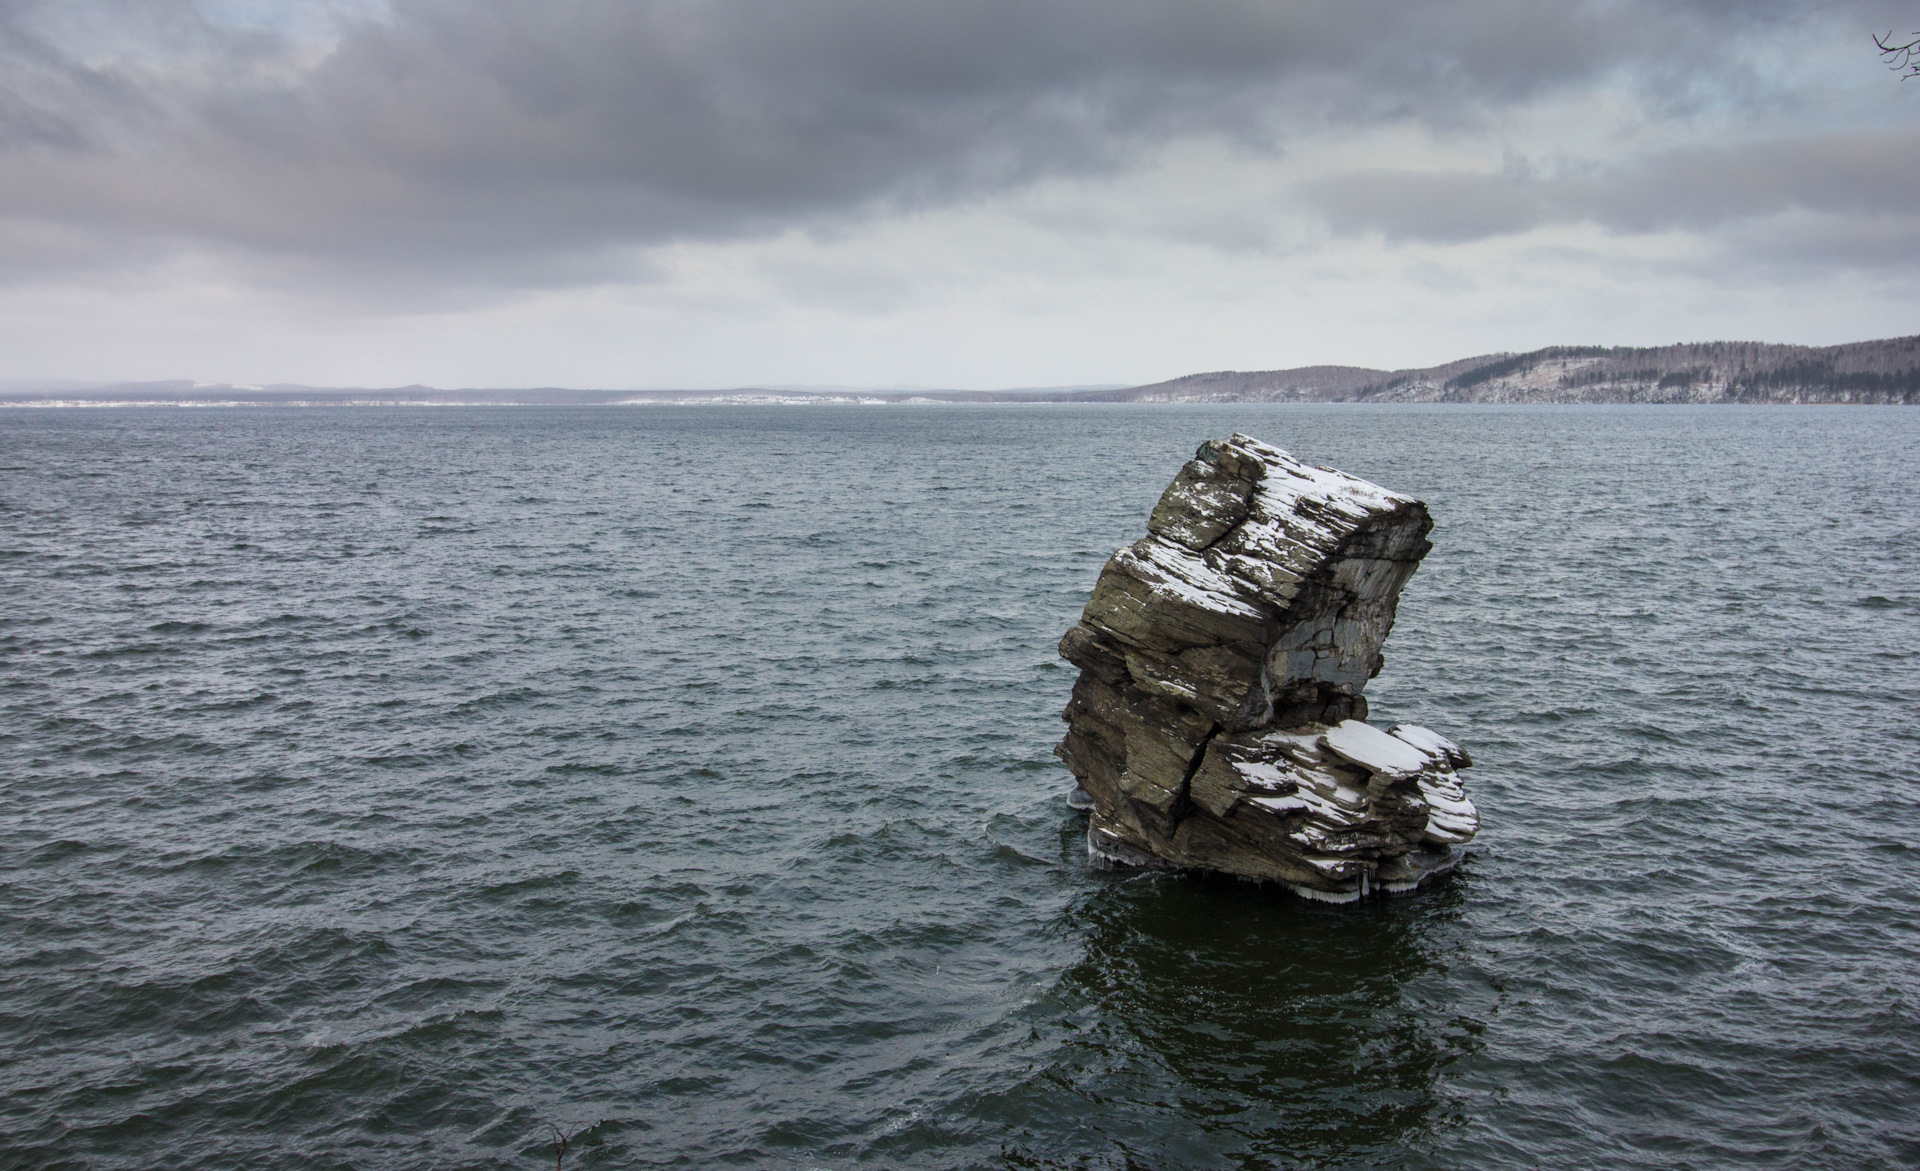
(939, 193)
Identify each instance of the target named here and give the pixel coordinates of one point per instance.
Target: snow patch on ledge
(1372, 749)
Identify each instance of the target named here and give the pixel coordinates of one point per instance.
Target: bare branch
(1902, 59)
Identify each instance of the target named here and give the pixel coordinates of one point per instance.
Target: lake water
(380, 785)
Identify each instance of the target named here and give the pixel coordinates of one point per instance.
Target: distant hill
(1885, 371)
(1702, 372)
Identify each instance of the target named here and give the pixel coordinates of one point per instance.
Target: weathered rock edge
(1219, 723)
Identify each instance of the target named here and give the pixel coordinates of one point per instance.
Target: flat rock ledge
(1218, 721)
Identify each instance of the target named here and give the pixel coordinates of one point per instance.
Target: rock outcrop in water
(1218, 722)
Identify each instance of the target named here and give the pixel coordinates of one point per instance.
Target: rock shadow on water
(1210, 1024)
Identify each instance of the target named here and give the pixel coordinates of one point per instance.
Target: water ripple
(384, 784)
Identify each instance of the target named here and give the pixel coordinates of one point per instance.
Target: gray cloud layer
(528, 139)
(1854, 175)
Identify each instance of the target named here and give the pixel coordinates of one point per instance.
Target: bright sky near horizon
(931, 193)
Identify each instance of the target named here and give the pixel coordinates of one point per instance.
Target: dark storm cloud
(527, 139)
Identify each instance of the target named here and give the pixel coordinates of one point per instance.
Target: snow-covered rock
(1218, 721)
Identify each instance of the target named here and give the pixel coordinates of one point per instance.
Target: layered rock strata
(1219, 722)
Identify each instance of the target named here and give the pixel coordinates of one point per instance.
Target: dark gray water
(379, 785)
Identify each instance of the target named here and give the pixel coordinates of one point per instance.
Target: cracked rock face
(1218, 722)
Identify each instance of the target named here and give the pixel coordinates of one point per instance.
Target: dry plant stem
(560, 1141)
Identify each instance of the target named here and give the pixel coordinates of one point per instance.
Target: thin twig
(1902, 59)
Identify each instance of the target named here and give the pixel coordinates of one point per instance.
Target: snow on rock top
(1370, 748)
(1432, 743)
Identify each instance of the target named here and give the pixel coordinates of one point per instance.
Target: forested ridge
(1885, 371)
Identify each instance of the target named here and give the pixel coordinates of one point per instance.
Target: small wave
(1882, 602)
(519, 886)
(56, 850)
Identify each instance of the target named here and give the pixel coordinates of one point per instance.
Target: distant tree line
(1820, 382)
(1874, 372)
(1520, 363)
(1665, 379)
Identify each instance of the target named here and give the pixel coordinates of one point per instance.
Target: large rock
(1218, 722)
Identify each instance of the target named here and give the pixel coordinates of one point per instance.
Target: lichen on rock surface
(1219, 723)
